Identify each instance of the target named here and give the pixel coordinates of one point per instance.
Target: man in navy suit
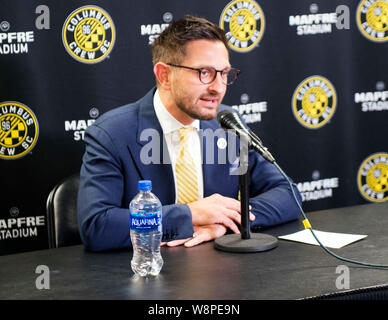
(139, 141)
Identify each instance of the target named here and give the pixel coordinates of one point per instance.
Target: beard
(195, 111)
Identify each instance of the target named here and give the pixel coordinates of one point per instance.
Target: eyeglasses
(208, 74)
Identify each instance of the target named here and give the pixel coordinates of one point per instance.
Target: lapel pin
(221, 143)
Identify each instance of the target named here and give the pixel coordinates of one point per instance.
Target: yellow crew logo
(19, 130)
(372, 19)
(314, 102)
(372, 178)
(88, 34)
(243, 22)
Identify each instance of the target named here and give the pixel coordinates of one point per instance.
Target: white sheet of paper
(328, 239)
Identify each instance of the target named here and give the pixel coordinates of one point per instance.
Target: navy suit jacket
(112, 166)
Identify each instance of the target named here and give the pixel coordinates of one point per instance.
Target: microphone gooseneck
(230, 120)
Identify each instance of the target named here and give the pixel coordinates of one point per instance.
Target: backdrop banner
(313, 86)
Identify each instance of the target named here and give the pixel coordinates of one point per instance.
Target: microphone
(231, 120)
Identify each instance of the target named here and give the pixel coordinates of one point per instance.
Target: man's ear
(162, 73)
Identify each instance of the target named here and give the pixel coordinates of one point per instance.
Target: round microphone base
(258, 242)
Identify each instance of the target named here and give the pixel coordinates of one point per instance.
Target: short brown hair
(169, 47)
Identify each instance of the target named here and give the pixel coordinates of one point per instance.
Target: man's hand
(217, 209)
(201, 234)
(211, 217)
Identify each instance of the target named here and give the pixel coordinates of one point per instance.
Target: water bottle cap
(144, 185)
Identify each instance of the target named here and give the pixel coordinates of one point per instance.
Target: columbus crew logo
(88, 34)
(372, 178)
(314, 102)
(372, 19)
(19, 130)
(243, 22)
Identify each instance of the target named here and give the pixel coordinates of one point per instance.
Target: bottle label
(143, 221)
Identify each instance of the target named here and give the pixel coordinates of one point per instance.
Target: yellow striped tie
(185, 170)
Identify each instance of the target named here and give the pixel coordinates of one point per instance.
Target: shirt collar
(167, 121)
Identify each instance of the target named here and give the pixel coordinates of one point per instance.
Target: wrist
(193, 210)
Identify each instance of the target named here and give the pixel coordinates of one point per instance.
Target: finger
(175, 243)
(251, 215)
(237, 217)
(195, 241)
(163, 244)
(230, 224)
(234, 215)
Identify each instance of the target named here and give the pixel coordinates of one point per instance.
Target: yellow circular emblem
(372, 178)
(243, 22)
(314, 102)
(19, 130)
(372, 19)
(88, 34)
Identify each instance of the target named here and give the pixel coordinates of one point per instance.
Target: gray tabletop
(290, 271)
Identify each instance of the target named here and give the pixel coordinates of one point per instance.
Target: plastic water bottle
(146, 231)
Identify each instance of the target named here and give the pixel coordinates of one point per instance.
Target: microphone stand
(246, 242)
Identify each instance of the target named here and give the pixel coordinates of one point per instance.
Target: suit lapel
(150, 152)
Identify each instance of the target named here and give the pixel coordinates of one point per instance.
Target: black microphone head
(229, 119)
(222, 114)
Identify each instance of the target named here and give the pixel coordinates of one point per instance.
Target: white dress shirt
(170, 127)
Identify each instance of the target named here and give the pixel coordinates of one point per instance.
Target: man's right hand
(217, 209)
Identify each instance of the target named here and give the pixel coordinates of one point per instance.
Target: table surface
(290, 271)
